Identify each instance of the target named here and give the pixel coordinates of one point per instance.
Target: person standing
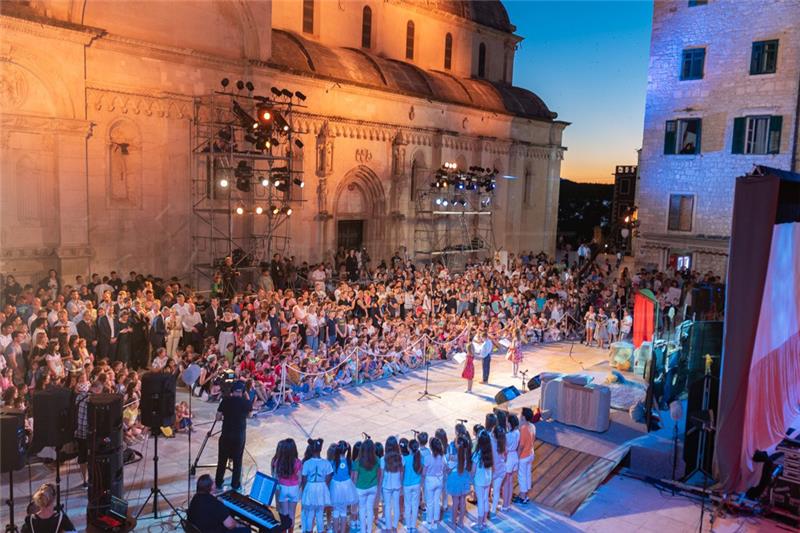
(174, 332)
(158, 330)
(469, 366)
(233, 411)
(87, 330)
(45, 518)
(482, 346)
(211, 317)
(527, 438)
(367, 477)
(316, 496)
(391, 483)
(106, 333)
(14, 358)
(124, 337)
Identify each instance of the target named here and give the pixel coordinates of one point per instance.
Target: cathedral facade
(98, 99)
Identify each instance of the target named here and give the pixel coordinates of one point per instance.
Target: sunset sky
(588, 61)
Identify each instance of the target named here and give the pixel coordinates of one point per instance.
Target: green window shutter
(775, 125)
(699, 63)
(669, 136)
(699, 132)
(739, 124)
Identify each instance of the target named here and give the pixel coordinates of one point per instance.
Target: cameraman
(233, 411)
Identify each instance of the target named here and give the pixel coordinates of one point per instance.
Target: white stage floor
(384, 408)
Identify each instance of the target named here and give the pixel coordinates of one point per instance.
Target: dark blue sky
(588, 61)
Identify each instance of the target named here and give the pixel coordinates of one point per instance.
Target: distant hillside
(581, 207)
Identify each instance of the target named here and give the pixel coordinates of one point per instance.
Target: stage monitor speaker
(12, 440)
(158, 399)
(106, 480)
(53, 417)
(506, 395)
(104, 414)
(535, 382)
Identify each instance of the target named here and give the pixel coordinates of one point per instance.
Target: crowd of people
(401, 480)
(299, 332)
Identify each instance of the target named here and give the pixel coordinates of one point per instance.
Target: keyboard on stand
(250, 511)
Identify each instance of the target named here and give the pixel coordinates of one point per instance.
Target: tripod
(425, 395)
(195, 466)
(10, 527)
(154, 490)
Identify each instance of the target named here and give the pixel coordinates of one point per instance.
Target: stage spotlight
(252, 139)
(283, 126)
(244, 117)
(225, 82)
(264, 114)
(300, 183)
(274, 209)
(240, 210)
(250, 86)
(240, 85)
(438, 201)
(298, 143)
(275, 91)
(223, 183)
(300, 95)
(265, 182)
(277, 183)
(259, 210)
(445, 203)
(224, 134)
(287, 211)
(287, 93)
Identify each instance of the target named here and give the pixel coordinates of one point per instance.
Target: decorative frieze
(159, 105)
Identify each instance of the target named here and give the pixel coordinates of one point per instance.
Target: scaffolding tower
(245, 181)
(453, 227)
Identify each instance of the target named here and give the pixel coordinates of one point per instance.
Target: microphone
(461, 420)
(366, 437)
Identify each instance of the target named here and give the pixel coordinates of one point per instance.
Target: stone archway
(360, 196)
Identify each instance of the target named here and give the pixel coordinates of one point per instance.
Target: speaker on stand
(55, 425)
(12, 454)
(506, 395)
(104, 441)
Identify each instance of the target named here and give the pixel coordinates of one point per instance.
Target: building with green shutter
(723, 95)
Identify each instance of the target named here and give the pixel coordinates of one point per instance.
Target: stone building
(722, 96)
(97, 104)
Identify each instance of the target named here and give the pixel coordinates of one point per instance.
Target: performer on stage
(469, 366)
(233, 411)
(514, 353)
(206, 513)
(483, 346)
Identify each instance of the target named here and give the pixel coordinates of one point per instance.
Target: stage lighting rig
(300, 96)
(244, 117)
(265, 182)
(264, 114)
(300, 183)
(239, 210)
(259, 210)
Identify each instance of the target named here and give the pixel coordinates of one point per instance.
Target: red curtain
(643, 319)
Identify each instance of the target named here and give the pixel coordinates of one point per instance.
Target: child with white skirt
(391, 483)
(433, 473)
(316, 474)
(343, 490)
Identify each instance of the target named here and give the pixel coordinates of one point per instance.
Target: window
(482, 60)
(757, 134)
(448, 51)
(764, 59)
(692, 63)
(682, 136)
(624, 186)
(308, 16)
(681, 207)
(366, 28)
(695, 3)
(410, 40)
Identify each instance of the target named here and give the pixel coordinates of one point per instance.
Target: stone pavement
(384, 408)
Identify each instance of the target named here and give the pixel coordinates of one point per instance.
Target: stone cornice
(50, 29)
(148, 103)
(15, 122)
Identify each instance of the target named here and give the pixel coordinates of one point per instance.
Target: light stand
(154, 490)
(425, 395)
(193, 468)
(11, 527)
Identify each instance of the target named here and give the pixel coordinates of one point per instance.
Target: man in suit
(211, 317)
(106, 334)
(87, 330)
(158, 330)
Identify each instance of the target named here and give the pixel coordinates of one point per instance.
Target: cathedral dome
(489, 13)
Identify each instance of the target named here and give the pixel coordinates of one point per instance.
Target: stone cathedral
(97, 101)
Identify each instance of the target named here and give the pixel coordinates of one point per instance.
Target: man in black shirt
(233, 411)
(208, 514)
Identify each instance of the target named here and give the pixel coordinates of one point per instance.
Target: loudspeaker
(53, 417)
(535, 382)
(106, 480)
(104, 413)
(158, 399)
(12, 440)
(506, 395)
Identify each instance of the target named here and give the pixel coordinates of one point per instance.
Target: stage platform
(572, 490)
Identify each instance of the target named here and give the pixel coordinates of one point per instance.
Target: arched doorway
(360, 211)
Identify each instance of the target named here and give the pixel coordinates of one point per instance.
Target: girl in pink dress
(514, 353)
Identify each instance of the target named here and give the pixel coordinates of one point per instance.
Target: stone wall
(727, 30)
(96, 142)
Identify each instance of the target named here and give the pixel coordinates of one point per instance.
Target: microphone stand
(425, 395)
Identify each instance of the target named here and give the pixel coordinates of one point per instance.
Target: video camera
(225, 380)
